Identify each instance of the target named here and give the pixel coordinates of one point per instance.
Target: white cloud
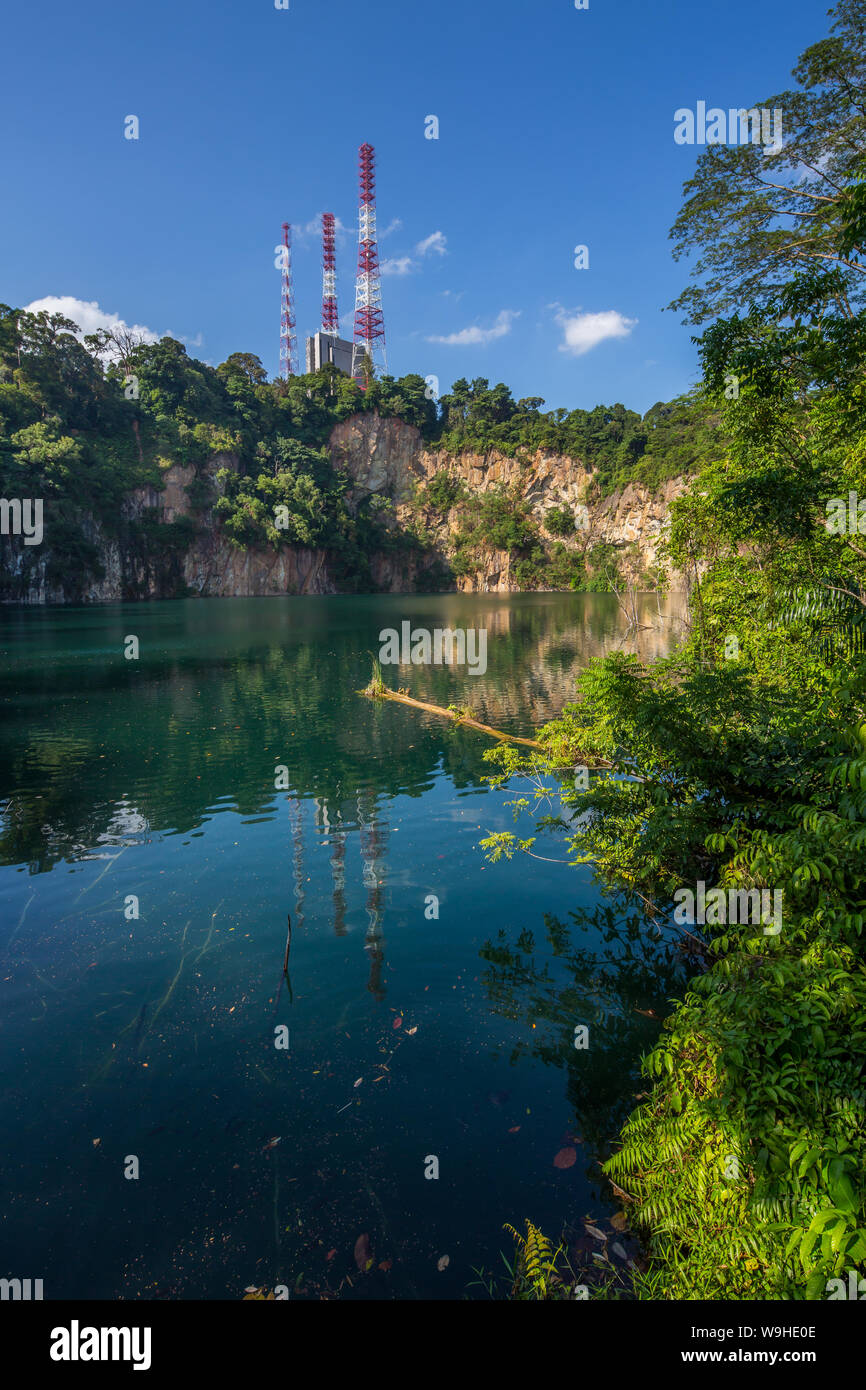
(196, 342)
(435, 242)
(470, 336)
(397, 265)
(582, 332)
(404, 265)
(302, 231)
(393, 226)
(88, 315)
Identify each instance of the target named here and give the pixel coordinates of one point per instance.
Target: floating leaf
(357, 1083)
(272, 1143)
(385, 1265)
(362, 1252)
(443, 1263)
(331, 1253)
(618, 1221)
(566, 1158)
(594, 1231)
(397, 1022)
(410, 1031)
(619, 1250)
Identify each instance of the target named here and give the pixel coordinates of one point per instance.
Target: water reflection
(374, 847)
(96, 749)
(617, 984)
(155, 1034)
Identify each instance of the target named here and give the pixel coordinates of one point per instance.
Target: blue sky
(556, 129)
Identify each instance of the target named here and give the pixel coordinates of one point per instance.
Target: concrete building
(323, 347)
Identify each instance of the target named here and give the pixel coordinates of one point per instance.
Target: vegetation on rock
(84, 424)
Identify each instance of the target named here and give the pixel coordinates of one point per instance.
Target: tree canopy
(754, 215)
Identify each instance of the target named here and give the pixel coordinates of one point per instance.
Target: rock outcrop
(388, 457)
(382, 456)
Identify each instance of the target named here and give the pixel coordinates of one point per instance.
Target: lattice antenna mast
(330, 318)
(288, 341)
(369, 321)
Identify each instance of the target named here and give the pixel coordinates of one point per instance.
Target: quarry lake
(158, 1143)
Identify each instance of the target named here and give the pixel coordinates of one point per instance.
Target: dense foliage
(615, 444)
(83, 424)
(756, 215)
(740, 762)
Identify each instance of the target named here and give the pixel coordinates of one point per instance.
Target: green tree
(755, 214)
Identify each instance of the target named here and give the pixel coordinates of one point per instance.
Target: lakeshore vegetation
(739, 761)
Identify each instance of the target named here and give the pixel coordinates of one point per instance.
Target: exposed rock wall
(388, 456)
(385, 457)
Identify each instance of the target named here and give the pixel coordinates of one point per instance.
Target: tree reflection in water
(619, 987)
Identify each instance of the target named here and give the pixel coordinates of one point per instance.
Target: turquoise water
(148, 786)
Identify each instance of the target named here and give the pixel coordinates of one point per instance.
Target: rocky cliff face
(385, 457)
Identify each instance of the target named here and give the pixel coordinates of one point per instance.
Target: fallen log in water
(383, 693)
(377, 691)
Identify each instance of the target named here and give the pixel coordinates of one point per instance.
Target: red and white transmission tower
(330, 319)
(288, 343)
(369, 320)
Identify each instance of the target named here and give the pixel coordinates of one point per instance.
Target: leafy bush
(443, 490)
(559, 521)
